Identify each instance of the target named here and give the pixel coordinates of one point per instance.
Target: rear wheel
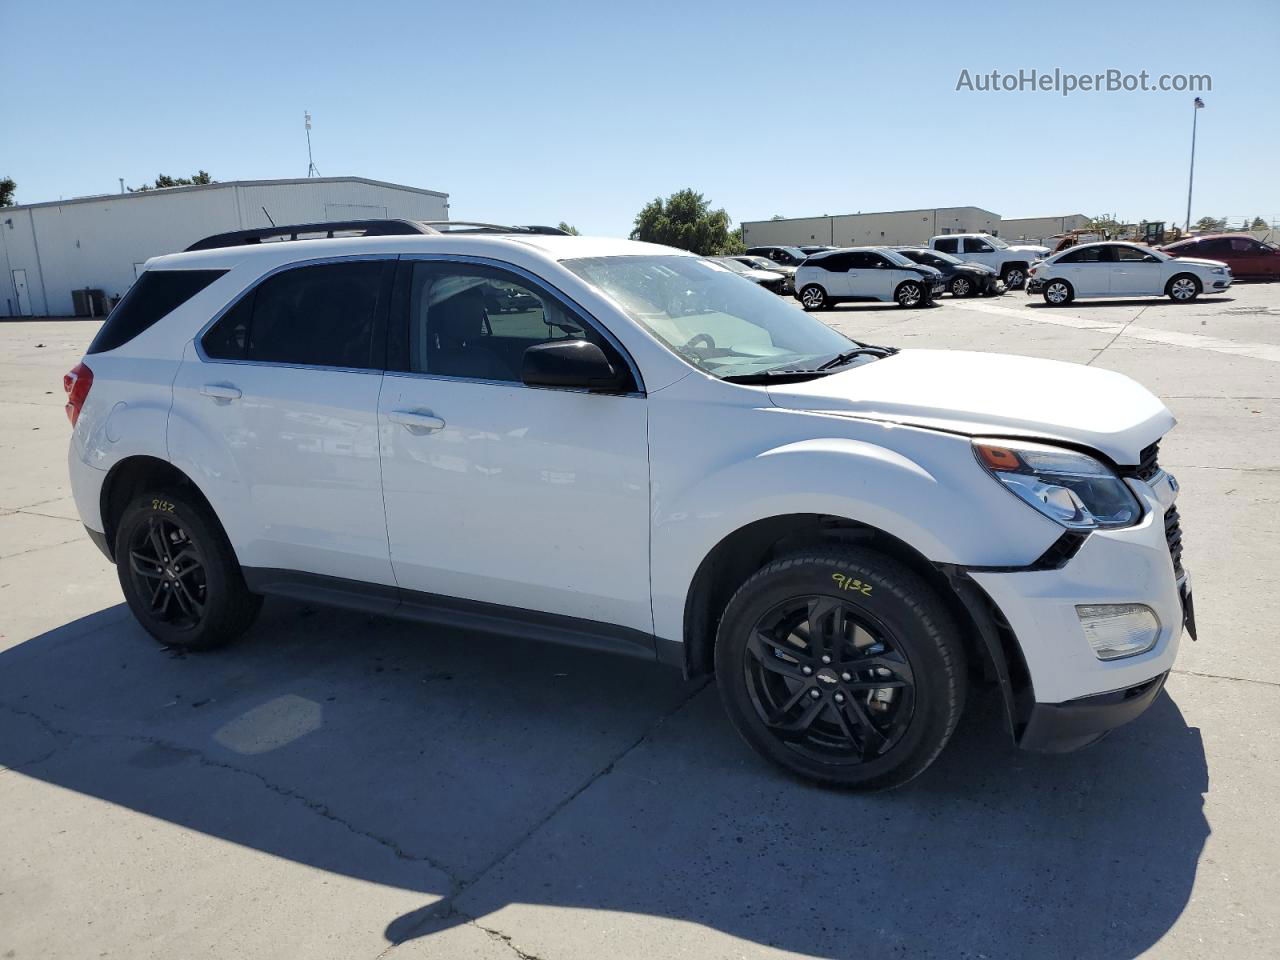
(1183, 288)
(178, 572)
(1058, 293)
(842, 666)
(813, 297)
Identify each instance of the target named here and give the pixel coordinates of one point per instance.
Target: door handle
(416, 421)
(221, 391)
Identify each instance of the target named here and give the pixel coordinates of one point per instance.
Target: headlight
(1070, 488)
(1218, 270)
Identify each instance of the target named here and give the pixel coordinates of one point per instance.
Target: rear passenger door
(1087, 269)
(275, 416)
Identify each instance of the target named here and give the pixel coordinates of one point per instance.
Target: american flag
(1199, 104)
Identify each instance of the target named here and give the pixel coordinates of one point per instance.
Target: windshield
(997, 243)
(897, 258)
(939, 255)
(711, 319)
(733, 264)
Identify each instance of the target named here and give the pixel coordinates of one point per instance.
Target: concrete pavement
(343, 786)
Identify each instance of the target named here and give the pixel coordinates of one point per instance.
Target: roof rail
(365, 228)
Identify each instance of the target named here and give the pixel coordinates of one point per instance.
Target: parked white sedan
(1110, 269)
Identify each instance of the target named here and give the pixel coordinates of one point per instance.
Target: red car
(1248, 258)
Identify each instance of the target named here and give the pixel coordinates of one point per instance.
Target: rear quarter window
(153, 296)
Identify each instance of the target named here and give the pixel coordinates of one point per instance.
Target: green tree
(7, 190)
(164, 180)
(1209, 224)
(737, 243)
(1104, 223)
(685, 219)
(1257, 224)
(569, 229)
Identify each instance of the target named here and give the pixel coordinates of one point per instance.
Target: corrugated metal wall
(100, 243)
(872, 229)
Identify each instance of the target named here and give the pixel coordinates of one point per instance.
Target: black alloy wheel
(168, 569)
(829, 680)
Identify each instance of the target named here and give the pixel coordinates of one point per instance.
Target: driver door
(1136, 273)
(528, 497)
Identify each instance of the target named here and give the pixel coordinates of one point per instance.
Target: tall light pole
(1195, 113)
(311, 166)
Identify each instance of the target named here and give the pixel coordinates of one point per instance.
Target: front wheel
(1014, 277)
(909, 294)
(961, 287)
(813, 297)
(1183, 288)
(842, 666)
(178, 572)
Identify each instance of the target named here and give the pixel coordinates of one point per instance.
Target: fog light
(1116, 630)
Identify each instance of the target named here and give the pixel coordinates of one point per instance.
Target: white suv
(865, 273)
(641, 452)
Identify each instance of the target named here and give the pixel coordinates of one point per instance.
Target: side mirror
(575, 364)
(1150, 259)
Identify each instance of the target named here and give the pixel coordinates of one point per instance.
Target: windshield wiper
(862, 350)
(785, 375)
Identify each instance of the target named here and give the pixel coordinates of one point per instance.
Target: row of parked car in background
(979, 264)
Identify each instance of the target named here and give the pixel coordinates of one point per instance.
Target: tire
(1058, 293)
(1014, 276)
(962, 287)
(1183, 288)
(178, 571)
(856, 737)
(910, 294)
(813, 297)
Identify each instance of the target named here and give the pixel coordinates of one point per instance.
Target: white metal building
(1041, 228)
(871, 229)
(48, 250)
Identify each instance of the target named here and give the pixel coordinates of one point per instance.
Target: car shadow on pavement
(487, 774)
(1039, 304)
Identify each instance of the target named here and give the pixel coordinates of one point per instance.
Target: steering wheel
(700, 339)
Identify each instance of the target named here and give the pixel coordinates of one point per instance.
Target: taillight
(77, 384)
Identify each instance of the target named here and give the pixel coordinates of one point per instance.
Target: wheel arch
(991, 647)
(129, 477)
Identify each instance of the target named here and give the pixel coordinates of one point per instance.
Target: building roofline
(165, 191)
(871, 213)
(1052, 216)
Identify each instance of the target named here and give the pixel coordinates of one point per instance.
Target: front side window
(476, 322)
(1245, 245)
(322, 315)
(1131, 254)
(974, 245)
(701, 312)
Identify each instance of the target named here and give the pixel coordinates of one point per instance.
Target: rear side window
(948, 245)
(318, 316)
(154, 295)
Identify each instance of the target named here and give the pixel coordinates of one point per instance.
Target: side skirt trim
(458, 613)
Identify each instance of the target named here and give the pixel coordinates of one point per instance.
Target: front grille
(1148, 463)
(1173, 535)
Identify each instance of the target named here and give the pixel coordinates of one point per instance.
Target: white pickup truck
(1011, 261)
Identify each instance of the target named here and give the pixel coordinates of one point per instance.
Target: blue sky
(537, 112)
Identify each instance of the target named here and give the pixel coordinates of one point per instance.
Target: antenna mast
(311, 164)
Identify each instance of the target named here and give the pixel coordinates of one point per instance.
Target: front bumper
(1062, 727)
(1075, 696)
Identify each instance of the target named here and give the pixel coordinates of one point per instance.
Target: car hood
(1201, 262)
(1030, 248)
(762, 274)
(975, 268)
(988, 394)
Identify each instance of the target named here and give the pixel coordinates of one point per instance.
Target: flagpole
(1195, 111)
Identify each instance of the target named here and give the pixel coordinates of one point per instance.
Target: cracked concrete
(341, 786)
